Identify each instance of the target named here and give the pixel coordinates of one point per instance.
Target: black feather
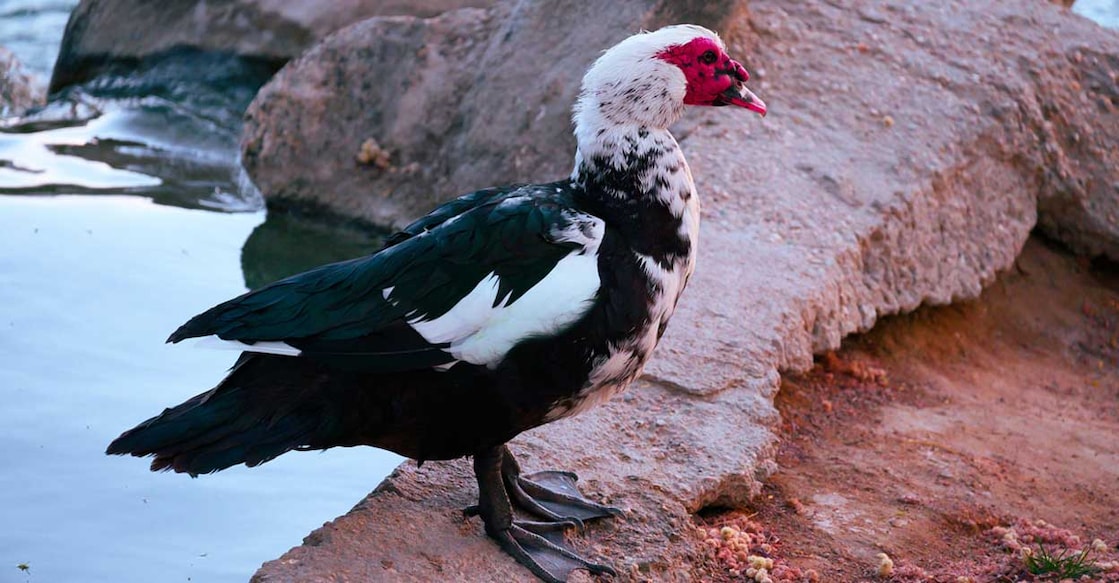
(259, 411)
(339, 313)
(448, 210)
(366, 377)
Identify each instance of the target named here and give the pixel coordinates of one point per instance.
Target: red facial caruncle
(713, 77)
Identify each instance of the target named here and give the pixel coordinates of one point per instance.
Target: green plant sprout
(1066, 565)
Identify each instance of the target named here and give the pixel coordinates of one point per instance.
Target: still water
(89, 287)
(122, 214)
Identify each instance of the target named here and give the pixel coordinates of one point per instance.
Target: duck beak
(739, 95)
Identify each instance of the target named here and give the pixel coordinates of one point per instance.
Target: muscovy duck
(498, 312)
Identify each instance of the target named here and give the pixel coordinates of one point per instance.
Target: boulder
(481, 97)
(1073, 113)
(102, 33)
(462, 101)
(18, 91)
(909, 151)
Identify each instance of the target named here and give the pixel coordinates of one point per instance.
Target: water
(93, 287)
(122, 214)
(1105, 12)
(32, 30)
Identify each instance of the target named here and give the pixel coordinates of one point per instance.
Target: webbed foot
(557, 494)
(540, 546)
(545, 553)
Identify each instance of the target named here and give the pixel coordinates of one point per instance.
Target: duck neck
(636, 178)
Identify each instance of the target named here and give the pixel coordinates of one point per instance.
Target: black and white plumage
(497, 312)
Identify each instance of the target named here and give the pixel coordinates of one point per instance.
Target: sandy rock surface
(17, 88)
(105, 32)
(908, 153)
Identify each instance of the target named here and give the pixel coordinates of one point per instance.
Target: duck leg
(536, 545)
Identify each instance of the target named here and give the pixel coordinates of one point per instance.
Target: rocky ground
(934, 435)
(909, 152)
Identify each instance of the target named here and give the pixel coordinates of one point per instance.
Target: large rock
(1074, 117)
(18, 91)
(475, 98)
(907, 155)
(102, 33)
(463, 101)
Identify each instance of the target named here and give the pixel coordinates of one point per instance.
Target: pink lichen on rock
(744, 551)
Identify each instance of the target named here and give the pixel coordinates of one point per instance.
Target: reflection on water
(112, 154)
(90, 286)
(32, 30)
(284, 245)
(167, 130)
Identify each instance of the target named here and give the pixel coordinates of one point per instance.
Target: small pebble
(885, 565)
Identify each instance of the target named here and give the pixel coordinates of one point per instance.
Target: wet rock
(103, 33)
(818, 220)
(18, 90)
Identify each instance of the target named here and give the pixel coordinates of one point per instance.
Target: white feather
(629, 99)
(632, 65)
(280, 348)
(557, 301)
(464, 319)
(583, 229)
(480, 332)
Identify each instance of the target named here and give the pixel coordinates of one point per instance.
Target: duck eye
(708, 58)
